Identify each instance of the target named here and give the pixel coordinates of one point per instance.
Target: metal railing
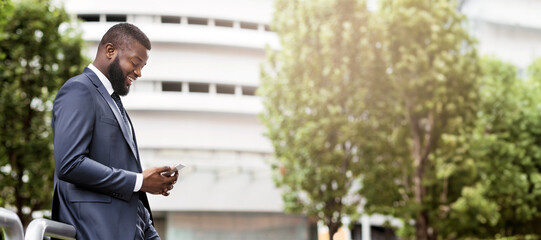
(11, 224)
(39, 228)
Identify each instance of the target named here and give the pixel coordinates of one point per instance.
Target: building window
(197, 21)
(199, 87)
(223, 23)
(170, 19)
(89, 17)
(248, 90)
(247, 25)
(116, 18)
(225, 89)
(267, 28)
(171, 87)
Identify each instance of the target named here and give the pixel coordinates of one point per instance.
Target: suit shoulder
(78, 89)
(80, 84)
(80, 79)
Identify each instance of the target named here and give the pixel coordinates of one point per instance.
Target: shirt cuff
(138, 182)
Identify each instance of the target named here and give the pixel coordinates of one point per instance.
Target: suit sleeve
(73, 125)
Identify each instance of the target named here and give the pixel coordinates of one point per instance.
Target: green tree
(505, 200)
(428, 100)
(313, 92)
(41, 51)
(6, 9)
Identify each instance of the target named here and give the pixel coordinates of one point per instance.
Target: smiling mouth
(131, 80)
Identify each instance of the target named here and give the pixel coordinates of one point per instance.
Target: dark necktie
(122, 110)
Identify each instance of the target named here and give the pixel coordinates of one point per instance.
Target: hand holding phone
(175, 169)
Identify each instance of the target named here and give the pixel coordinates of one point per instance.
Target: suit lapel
(112, 105)
(135, 143)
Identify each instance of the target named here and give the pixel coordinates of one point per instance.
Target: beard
(118, 79)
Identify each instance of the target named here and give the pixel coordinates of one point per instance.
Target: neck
(104, 68)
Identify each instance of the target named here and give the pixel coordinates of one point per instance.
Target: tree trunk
(333, 228)
(421, 222)
(421, 226)
(420, 157)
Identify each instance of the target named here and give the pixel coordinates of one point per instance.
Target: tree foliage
(6, 10)
(41, 51)
(313, 96)
(506, 145)
(432, 83)
(408, 81)
(398, 101)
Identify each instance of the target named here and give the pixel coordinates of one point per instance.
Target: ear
(110, 51)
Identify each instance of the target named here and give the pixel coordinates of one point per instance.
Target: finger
(164, 169)
(172, 175)
(170, 180)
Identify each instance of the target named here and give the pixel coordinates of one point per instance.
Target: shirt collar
(106, 83)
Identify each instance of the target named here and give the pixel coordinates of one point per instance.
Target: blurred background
(410, 119)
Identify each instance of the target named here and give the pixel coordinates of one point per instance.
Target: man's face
(127, 67)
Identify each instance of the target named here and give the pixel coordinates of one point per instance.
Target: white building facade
(507, 30)
(195, 104)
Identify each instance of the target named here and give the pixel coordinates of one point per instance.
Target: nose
(137, 72)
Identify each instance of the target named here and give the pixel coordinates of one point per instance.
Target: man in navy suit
(100, 187)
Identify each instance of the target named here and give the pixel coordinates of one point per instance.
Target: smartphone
(177, 168)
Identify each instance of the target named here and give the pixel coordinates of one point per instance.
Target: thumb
(164, 169)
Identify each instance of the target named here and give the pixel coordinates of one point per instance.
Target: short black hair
(124, 33)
